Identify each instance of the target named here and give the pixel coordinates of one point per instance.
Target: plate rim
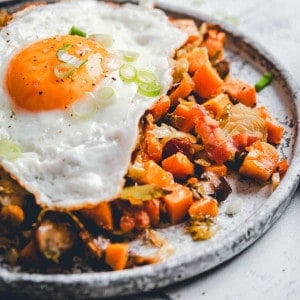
(272, 209)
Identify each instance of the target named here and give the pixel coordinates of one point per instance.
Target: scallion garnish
(146, 80)
(64, 70)
(85, 108)
(9, 149)
(129, 56)
(127, 73)
(151, 89)
(105, 40)
(105, 93)
(145, 76)
(76, 31)
(263, 81)
(65, 57)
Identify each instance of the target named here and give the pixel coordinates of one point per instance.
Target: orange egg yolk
(34, 85)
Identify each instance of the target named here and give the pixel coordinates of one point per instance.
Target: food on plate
(115, 121)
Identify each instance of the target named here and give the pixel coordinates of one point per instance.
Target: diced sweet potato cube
(178, 202)
(260, 162)
(116, 255)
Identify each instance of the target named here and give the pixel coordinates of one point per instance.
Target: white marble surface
(270, 269)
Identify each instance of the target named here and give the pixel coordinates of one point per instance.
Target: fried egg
(69, 116)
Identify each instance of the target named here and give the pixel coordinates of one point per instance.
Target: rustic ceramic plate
(261, 207)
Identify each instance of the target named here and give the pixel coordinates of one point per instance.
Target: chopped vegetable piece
(240, 91)
(179, 165)
(139, 193)
(201, 229)
(63, 48)
(105, 93)
(127, 73)
(215, 44)
(275, 180)
(65, 57)
(182, 118)
(166, 133)
(116, 255)
(182, 145)
(151, 89)
(282, 166)
(207, 81)
(244, 125)
(101, 215)
(185, 87)
(275, 131)
(160, 108)
(14, 214)
(54, 238)
(221, 188)
(64, 70)
(218, 105)
(222, 68)
(178, 202)
(196, 59)
(204, 207)
(155, 238)
(83, 109)
(181, 66)
(9, 149)
(145, 76)
(77, 31)
(129, 56)
(152, 147)
(265, 80)
(260, 162)
(220, 169)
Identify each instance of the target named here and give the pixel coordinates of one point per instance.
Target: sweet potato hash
(208, 124)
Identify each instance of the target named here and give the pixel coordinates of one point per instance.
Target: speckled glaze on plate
(261, 207)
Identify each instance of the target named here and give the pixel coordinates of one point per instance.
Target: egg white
(65, 161)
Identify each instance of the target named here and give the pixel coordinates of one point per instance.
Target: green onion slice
(263, 81)
(129, 56)
(145, 76)
(9, 149)
(76, 31)
(64, 70)
(83, 109)
(104, 97)
(127, 73)
(65, 47)
(151, 89)
(105, 40)
(105, 93)
(65, 57)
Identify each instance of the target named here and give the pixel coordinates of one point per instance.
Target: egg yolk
(32, 80)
